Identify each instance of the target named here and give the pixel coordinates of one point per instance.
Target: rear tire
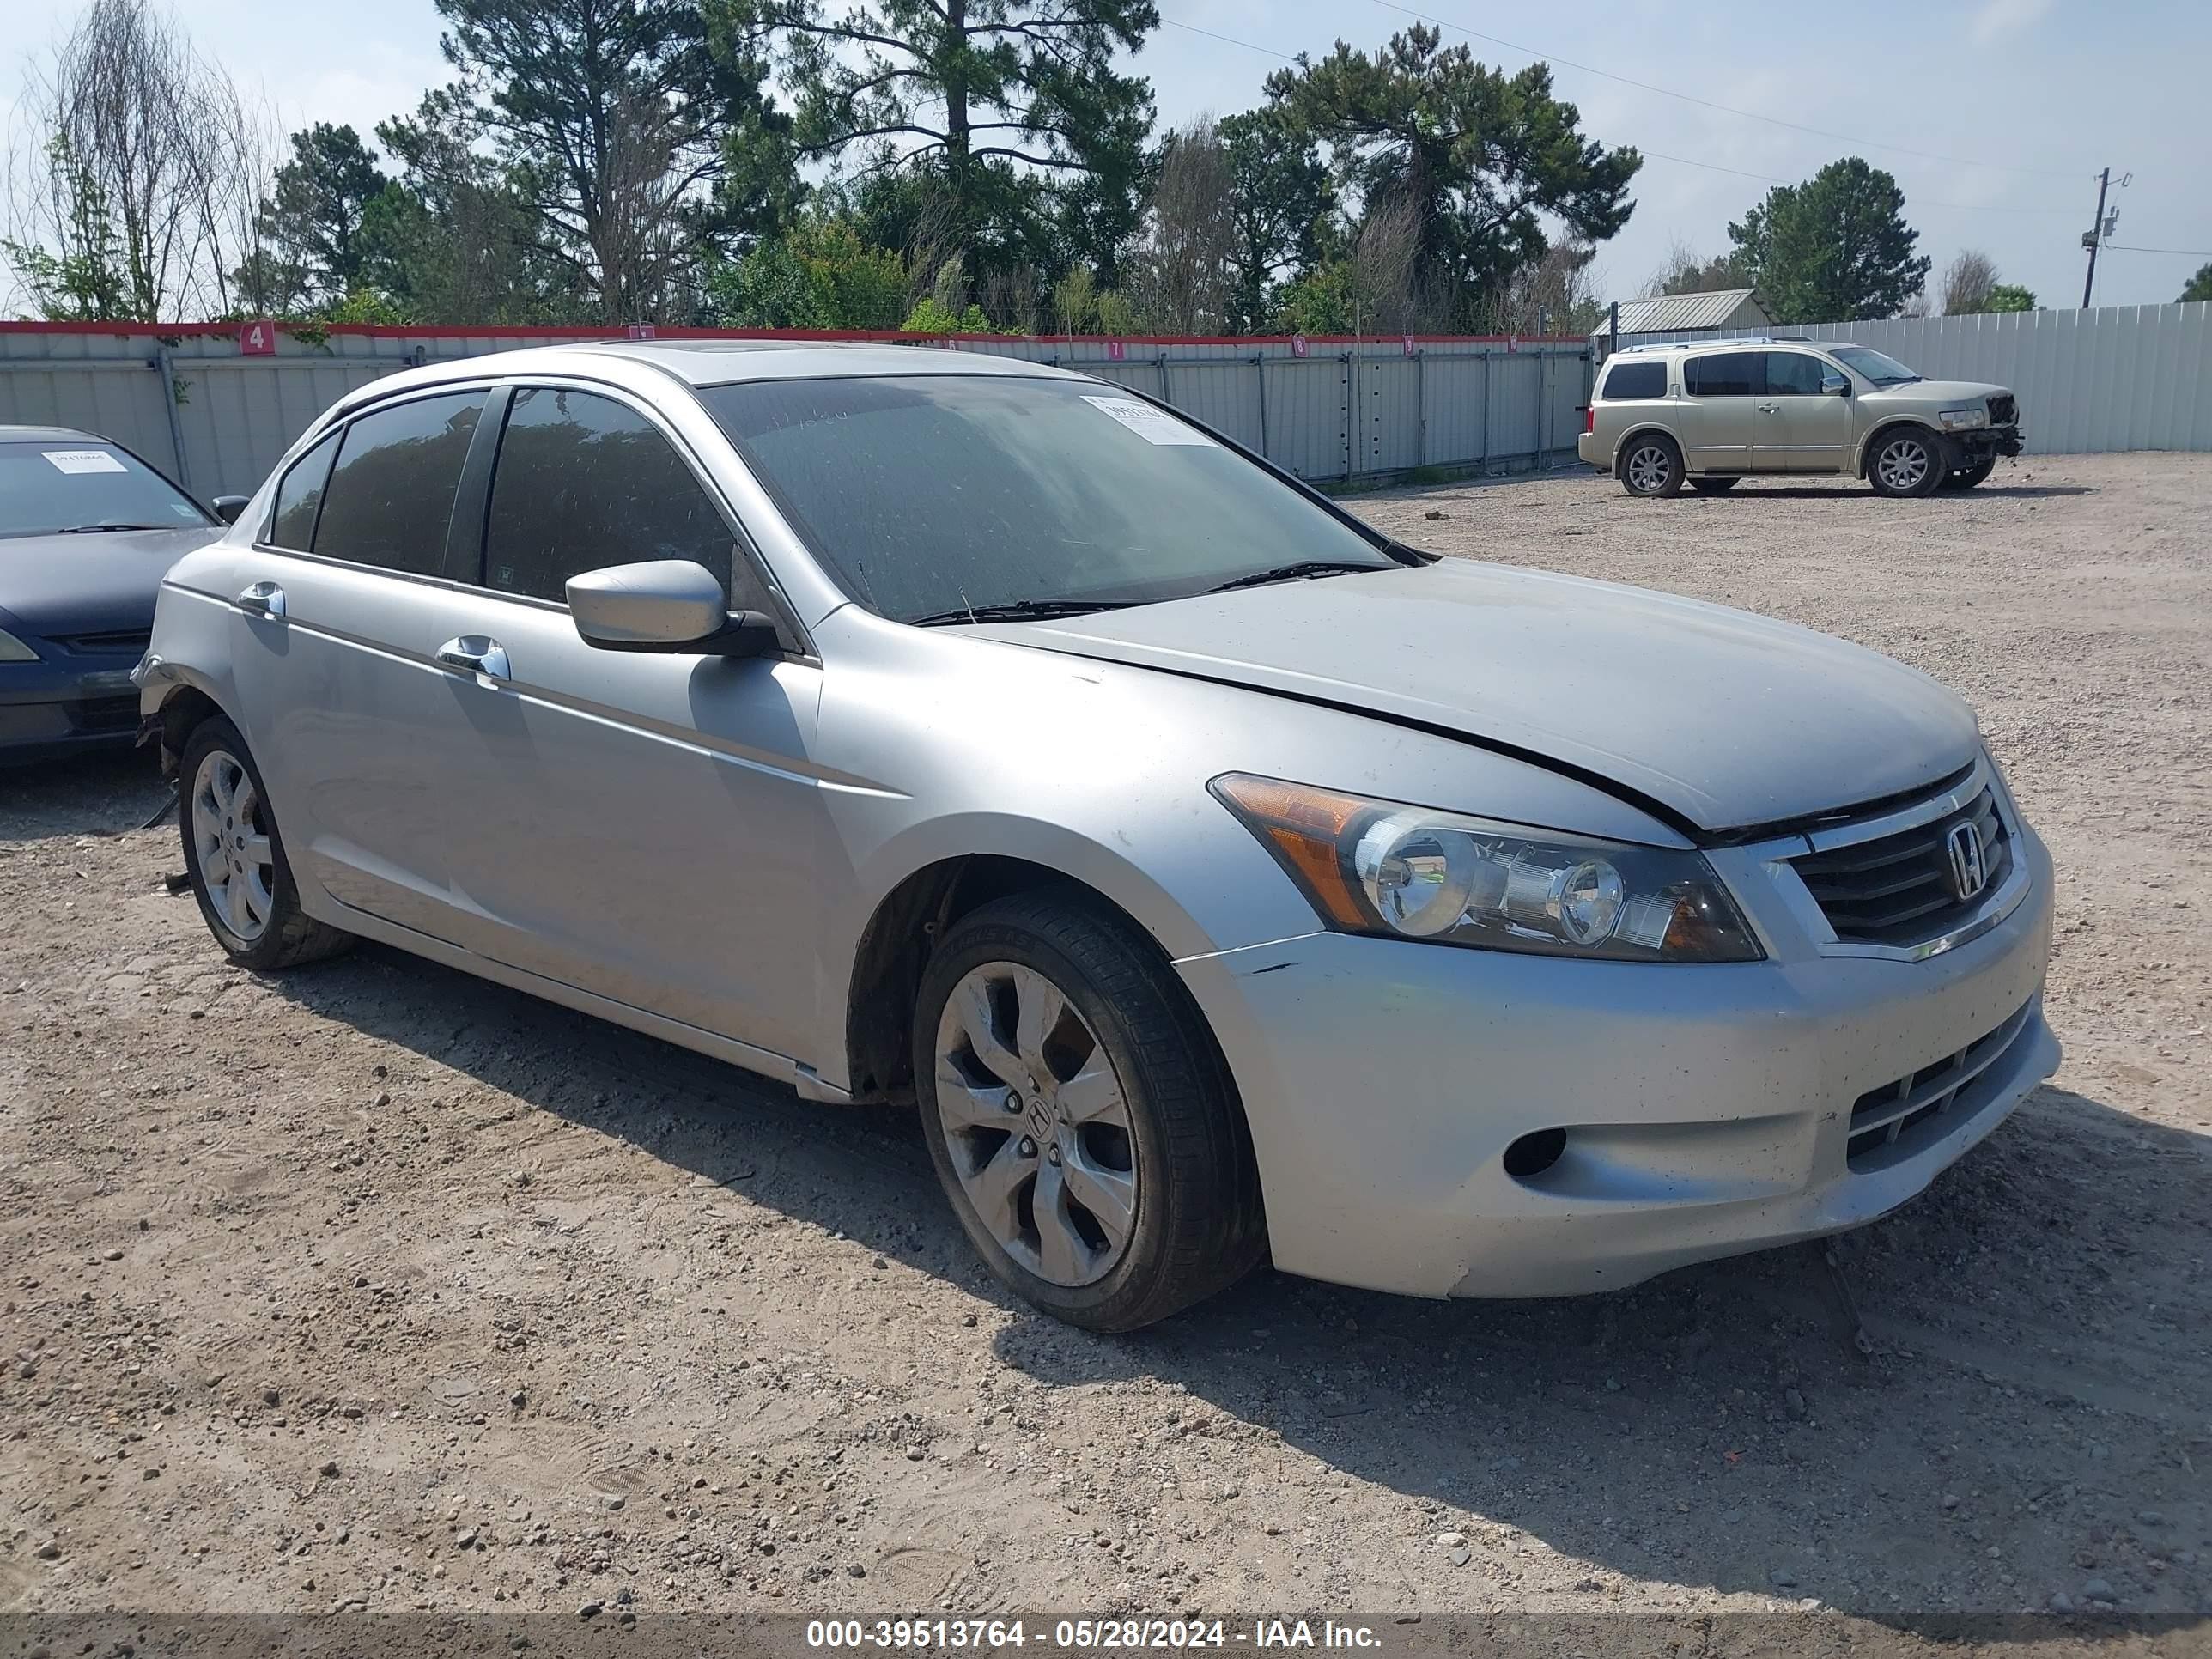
(1967, 476)
(1651, 464)
(1714, 486)
(1906, 461)
(235, 857)
(1082, 1120)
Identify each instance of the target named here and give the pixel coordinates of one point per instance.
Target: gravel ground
(376, 1287)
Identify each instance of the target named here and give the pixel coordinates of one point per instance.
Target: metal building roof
(1723, 308)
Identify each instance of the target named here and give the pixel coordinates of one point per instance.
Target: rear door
(1801, 429)
(646, 826)
(352, 721)
(1719, 421)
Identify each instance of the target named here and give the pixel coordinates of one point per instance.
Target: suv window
(300, 496)
(584, 481)
(1794, 374)
(391, 494)
(1724, 375)
(1639, 379)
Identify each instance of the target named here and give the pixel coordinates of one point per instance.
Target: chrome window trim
(1775, 857)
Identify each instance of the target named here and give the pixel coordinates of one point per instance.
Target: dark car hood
(1726, 719)
(101, 582)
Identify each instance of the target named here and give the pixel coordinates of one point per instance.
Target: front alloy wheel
(237, 863)
(1037, 1124)
(1906, 464)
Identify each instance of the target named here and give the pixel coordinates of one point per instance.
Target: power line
(1657, 156)
(2185, 252)
(1726, 109)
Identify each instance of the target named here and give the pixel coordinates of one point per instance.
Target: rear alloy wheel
(236, 859)
(1967, 476)
(1651, 465)
(1906, 463)
(1714, 486)
(1079, 1115)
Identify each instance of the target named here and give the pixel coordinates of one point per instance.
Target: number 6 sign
(257, 339)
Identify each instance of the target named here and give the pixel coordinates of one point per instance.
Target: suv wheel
(1651, 465)
(1906, 462)
(1081, 1120)
(235, 857)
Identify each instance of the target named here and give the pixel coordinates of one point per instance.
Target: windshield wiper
(88, 529)
(1299, 572)
(1019, 610)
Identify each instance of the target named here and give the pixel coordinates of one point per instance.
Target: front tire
(1907, 462)
(235, 857)
(1967, 476)
(1651, 464)
(1081, 1118)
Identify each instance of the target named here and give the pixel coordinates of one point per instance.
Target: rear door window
(584, 481)
(391, 494)
(1724, 374)
(1635, 379)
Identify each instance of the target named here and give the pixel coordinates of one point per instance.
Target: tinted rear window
(391, 492)
(1644, 380)
(1724, 374)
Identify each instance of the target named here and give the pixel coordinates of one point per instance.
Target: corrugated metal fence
(2118, 377)
(215, 416)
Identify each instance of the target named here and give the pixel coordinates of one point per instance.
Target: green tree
(1281, 198)
(637, 143)
(1834, 249)
(85, 276)
(311, 224)
(1008, 113)
(821, 275)
(2009, 296)
(1482, 158)
(2198, 287)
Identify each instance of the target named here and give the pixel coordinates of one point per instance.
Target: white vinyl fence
(214, 407)
(2118, 377)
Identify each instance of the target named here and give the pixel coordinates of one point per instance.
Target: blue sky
(2028, 97)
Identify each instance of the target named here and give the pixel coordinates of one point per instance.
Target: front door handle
(1770, 408)
(477, 652)
(263, 599)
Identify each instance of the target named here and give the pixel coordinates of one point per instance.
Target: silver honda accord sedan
(1219, 879)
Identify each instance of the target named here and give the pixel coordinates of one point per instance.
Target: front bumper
(1968, 447)
(49, 709)
(1707, 1109)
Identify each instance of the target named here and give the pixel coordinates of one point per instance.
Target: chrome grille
(1916, 1109)
(1897, 889)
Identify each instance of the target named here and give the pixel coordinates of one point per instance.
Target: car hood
(1725, 719)
(98, 582)
(1951, 393)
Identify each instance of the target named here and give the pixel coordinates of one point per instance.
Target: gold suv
(1710, 414)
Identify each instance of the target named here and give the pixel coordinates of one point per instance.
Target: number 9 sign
(257, 339)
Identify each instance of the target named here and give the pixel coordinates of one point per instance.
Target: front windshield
(1866, 361)
(931, 495)
(80, 483)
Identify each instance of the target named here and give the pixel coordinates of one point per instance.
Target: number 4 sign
(257, 339)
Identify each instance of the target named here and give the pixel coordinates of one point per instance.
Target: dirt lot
(378, 1286)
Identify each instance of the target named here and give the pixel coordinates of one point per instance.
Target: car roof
(46, 435)
(719, 363)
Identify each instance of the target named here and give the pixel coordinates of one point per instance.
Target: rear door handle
(263, 599)
(478, 653)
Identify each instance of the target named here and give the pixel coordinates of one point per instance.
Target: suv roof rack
(1728, 340)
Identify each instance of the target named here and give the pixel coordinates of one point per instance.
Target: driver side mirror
(1833, 384)
(228, 507)
(672, 606)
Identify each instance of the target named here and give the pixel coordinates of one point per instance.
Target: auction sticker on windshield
(82, 460)
(1147, 422)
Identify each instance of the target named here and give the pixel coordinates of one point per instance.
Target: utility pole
(2094, 234)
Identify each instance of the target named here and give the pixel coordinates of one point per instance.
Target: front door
(643, 825)
(1801, 428)
(1718, 422)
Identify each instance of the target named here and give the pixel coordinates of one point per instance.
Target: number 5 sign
(257, 339)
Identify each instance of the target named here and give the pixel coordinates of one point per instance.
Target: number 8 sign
(257, 339)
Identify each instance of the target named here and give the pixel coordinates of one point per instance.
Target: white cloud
(1998, 18)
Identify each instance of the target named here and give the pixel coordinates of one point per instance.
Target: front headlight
(1375, 866)
(1965, 420)
(14, 650)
